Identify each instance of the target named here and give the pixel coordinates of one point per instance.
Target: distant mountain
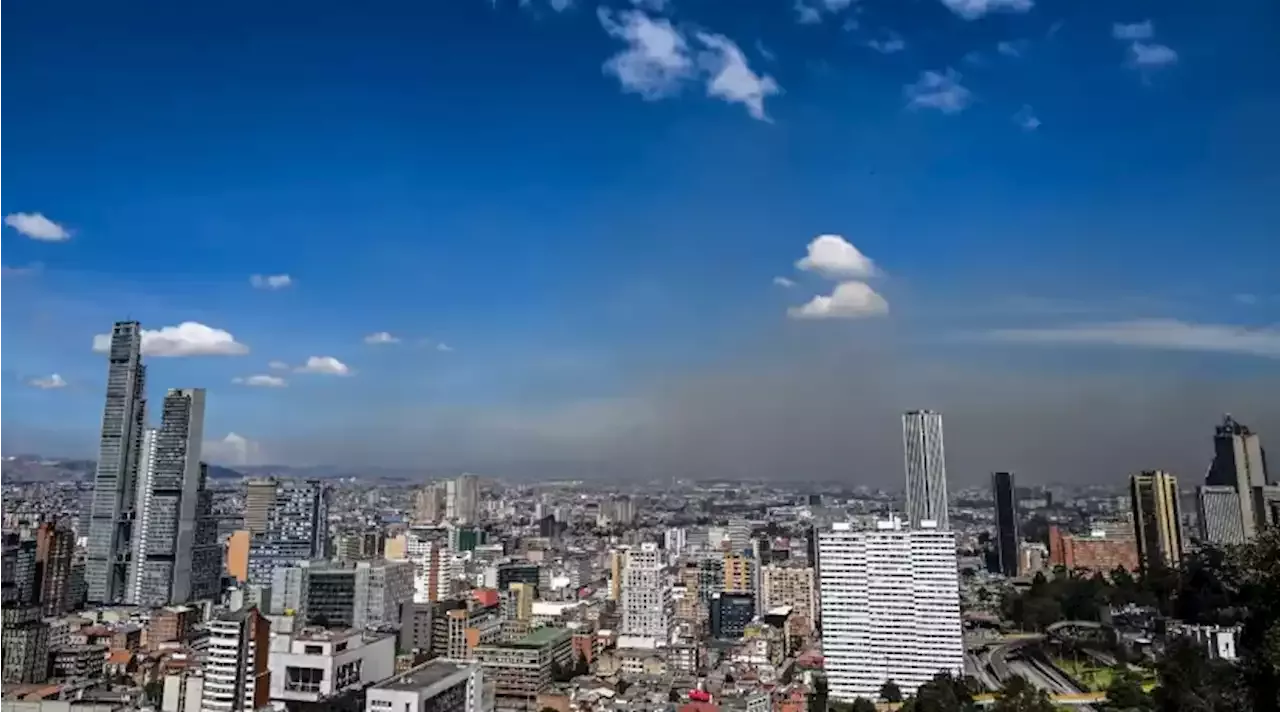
(37, 468)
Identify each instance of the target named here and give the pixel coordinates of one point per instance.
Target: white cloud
(270, 281)
(938, 90)
(973, 9)
(48, 383)
(1010, 49)
(890, 45)
(1026, 119)
(1133, 31)
(443, 347)
(278, 365)
(381, 337)
(651, 5)
(233, 450)
(731, 79)
(657, 57)
(783, 282)
(37, 227)
(190, 338)
(560, 5)
(1150, 56)
(261, 380)
(1165, 334)
(849, 300)
(324, 364)
(807, 14)
(834, 256)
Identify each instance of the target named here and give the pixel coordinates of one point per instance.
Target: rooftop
(422, 676)
(542, 636)
(318, 635)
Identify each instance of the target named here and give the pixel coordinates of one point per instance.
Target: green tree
(1125, 693)
(890, 692)
(817, 701)
(862, 704)
(1190, 681)
(1018, 695)
(153, 691)
(944, 693)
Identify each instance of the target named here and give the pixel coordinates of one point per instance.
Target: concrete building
(791, 585)
(462, 499)
(1239, 466)
(1004, 493)
(1098, 551)
(890, 601)
(259, 499)
(236, 673)
(429, 504)
(1157, 519)
(523, 668)
(739, 573)
(55, 549)
(647, 609)
(437, 686)
(115, 479)
(297, 530)
(925, 468)
(356, 594)
(316, 664)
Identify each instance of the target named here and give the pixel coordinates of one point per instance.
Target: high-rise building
(297, 530)
(1157, 519)
(791, 585)
(1240, 463)
(170, 482)
(55, 549)
(23, 633)
(462, 499)
(739, 573)
(259, 499)
(206, 551)
(236, 673)
(739, 535)
(1006, 500)
(890, 601)
(646, 595)
(115, 479)
(429, 504)
(926, 468)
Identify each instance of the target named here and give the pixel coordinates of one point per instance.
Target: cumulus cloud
(809, 12)
(731, 79)
(261, 381)
(938, 90)
(973, 9)
(1026, 119)
(382, 337)
(1151, 55)
(324, 364)
(37, 227)
(190, 338)
(278, 366)
(783, 282)
(443, 347)
(834, 256)
(48, 383)
(1163, 334)
(657, 57)
(849, 300)
(1133, 31)
(1010, 49)
(891, 44)
(270, 281)
(233, 449)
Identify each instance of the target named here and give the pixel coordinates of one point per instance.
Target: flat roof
(422, 676)
(541, 636)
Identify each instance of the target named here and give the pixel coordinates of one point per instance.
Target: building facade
(890, 601)
(791, 585)
(1157, 519)
(646, 594)
(1239, 497)
(926, 470)
(1004, 493)
(436, 686)
(236, 673)
(115, 479)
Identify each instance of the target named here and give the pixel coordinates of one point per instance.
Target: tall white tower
(926, 468)
(646, 595)
(890, 600)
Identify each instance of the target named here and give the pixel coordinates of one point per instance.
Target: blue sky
(590, 204)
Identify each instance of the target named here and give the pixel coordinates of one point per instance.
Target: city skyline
(512, 237)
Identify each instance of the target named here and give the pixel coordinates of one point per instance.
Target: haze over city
(652, 239)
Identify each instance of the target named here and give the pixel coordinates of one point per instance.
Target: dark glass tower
(1006, 499)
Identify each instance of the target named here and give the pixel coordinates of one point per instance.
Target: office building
(739, 573)
(297, 530)
(169, 485)
(731, 613)
(521, 669)
(429, 504)
(738, 533)
(437, 686)
(925, 468)
(316, 665)
(462, 499)
(115, 478)
(236, 673)
(23, 633)
(458, 626)
(434, 565)
(360, 545)
(1157, 519)
(890, 600)
(1006, 500)
(646, 595)
(55, 549)
(1240, 464)
(259, 499)
(354, 594)
(792, 585)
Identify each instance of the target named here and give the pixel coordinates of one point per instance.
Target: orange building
(238, 555)
(1093, 552)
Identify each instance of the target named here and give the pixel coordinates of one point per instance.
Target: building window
(313, 650)
(299, 679)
